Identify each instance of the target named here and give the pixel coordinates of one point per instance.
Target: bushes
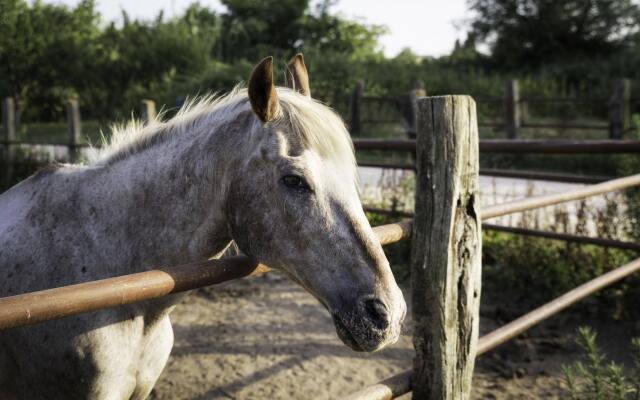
(526, 272)
(597, 379)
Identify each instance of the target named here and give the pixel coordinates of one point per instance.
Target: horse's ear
(262, 91)
(296, 76)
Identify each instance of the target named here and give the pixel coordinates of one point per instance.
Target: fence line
(401, 383)
(506, 173)
(551, 199)
(515, 109)
(499, 210)
(514, 328)
(31, 308)
(9, 125)
(565, 237)
(390, 388)
(517, 146)
(544, 176)
(48, 304)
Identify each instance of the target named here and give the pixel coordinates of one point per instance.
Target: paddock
(445, 258)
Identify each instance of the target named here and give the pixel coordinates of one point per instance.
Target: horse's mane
(319, 127)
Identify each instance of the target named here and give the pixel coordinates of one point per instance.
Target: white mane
(319, 127)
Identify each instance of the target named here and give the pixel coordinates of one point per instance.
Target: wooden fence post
(511, 91)
(619, 108)
(356, 108)
(147, 111)
(75, 129)
(9, 126)
(446, 252)
(411, 111)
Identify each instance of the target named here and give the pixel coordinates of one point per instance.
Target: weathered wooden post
(619, 108)
(446, 252)
(356, 108)
(9, 126)
(75, 129)
(512, 121)
(410, 110)
(147, 110)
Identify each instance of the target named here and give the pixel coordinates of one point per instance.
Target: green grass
(57, 132)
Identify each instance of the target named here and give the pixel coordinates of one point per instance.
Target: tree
(525, 34)
(45, 50)
(49, 52)
(253, 27)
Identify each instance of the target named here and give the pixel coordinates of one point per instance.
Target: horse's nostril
(377, 312)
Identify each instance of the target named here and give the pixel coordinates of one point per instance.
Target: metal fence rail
(565, 237)
(517, 146)
(40, 306)
(505, 173)
(400, 384)
(547, 200)
(31, 308)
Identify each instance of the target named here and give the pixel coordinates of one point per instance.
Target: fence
(515, 106)
(72, 149)
(515, 109)
(445, 262)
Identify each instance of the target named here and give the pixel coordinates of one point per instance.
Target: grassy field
(57, 132)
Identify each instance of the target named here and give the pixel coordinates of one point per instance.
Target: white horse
(269, 168)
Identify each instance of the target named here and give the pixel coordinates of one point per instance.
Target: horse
(266, 167)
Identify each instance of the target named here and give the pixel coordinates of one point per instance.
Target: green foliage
(531, 271)
(42, 49)
(49, 52)
(595, 378)
(531, 33)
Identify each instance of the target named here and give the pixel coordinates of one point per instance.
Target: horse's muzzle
(371, 326)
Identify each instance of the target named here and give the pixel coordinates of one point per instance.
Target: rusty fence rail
(519, 146)
(31, 308)
(44, 305)
(400, 384)
(504, 173)
(565, 237)
(48, 304)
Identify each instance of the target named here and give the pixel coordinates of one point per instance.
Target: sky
(428, 27)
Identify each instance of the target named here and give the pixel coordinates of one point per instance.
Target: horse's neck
(169, 201)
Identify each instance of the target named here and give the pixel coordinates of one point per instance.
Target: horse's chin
(362, 338)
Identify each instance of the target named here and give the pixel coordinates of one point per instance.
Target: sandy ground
(265, 338)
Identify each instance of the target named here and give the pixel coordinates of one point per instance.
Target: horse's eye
(295, 182)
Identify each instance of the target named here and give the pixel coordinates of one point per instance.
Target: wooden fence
(445, 262)
(514, 106)
(73, 147)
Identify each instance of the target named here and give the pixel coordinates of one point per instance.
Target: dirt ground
(266, 338)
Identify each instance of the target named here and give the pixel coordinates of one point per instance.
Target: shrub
(597, 379)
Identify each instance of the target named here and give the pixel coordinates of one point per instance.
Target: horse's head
(294, 205)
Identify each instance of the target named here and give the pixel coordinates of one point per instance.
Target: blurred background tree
(49, 52)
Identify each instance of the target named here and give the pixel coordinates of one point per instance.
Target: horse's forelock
(319, 127)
